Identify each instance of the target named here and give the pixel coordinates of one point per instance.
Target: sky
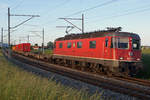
(131, 15)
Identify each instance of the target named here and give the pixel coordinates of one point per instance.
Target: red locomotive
(101, 51)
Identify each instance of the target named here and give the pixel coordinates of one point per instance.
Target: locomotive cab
(126, 51)
(126, 48)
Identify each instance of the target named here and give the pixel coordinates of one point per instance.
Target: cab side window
(106, 42)
(92, 44)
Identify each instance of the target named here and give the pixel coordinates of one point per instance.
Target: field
(17, 84)
(145, 73)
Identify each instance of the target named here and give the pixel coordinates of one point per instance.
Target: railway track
(126, 85)
(134, 80)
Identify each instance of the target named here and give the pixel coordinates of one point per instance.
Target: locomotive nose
(134, 56)
(130, 53)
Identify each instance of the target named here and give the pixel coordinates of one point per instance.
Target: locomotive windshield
(135, 44)
(123, 43)
(120, 42)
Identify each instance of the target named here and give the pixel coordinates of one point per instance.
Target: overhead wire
(126, 12)
(17, 5)
(94, 7)
(57, 6)
(54, 8)
(88, 9)
(129, 13)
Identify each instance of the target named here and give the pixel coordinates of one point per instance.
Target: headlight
(138, 59)
(121, 58)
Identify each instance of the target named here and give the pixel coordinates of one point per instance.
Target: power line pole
(28, 38)
(82, 23)
(9, 28)
(43, 42)
(9, 52)
(2, 37)
(19, 41)
(14, 42)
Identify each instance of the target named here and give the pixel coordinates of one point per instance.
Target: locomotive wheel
(126, 71)
(73, 64)
(95, 68)
(107, 71)
(83, 66)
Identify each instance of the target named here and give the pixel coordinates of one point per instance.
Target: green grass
(17, 84)
(46, 51)
(145, 73)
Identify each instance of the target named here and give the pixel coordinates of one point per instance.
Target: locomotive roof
(97, 34)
